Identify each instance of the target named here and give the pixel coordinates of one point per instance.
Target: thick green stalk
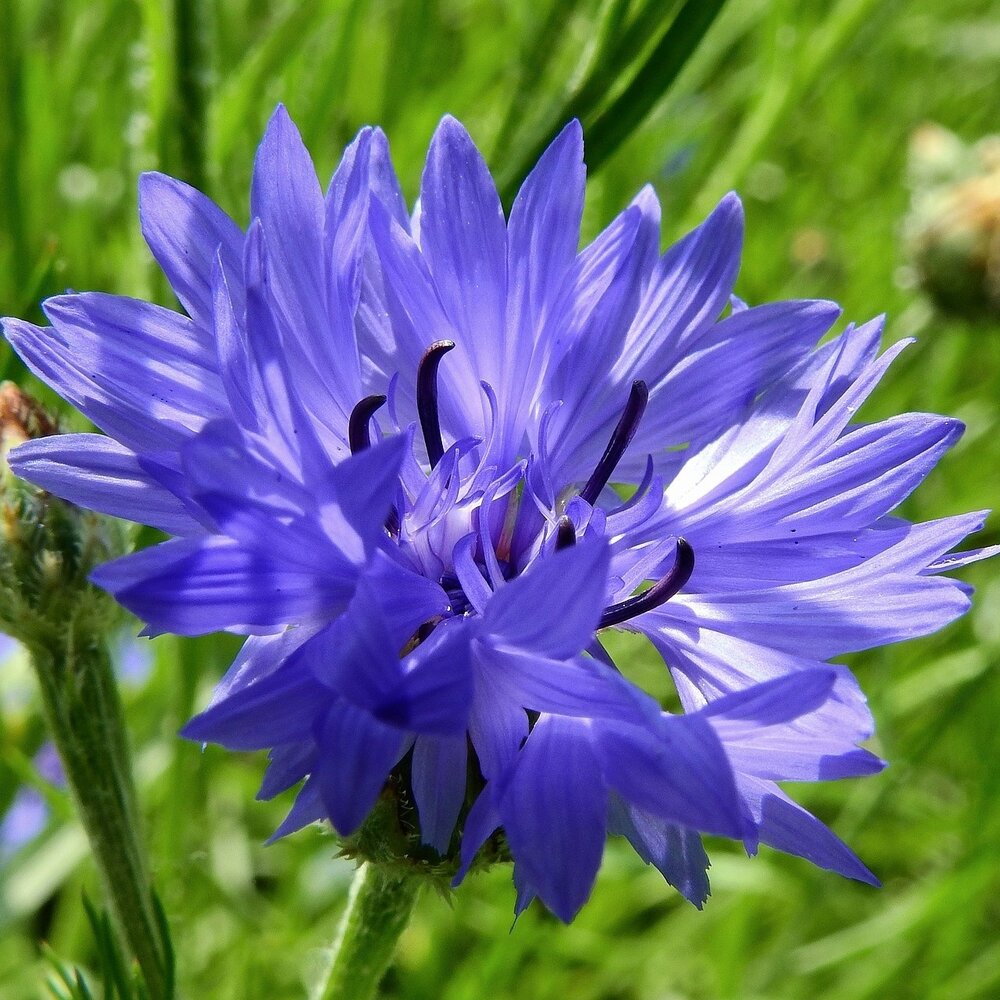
(378, 910)
(84, 716)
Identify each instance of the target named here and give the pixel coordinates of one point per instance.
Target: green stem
(378, 910)
(84, 715)
(191, 47)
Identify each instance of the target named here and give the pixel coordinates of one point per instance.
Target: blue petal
(594, 310)
(148, 404)
(417, 320)
(429, 691)
(543, 236)
(406, 599)
(384, 182)
(93, 471)
(302, 415)
(140, 349)
(356, 755)
(435, 693)
(287, 765)
(438, 780)
(346, 222)
(680, 773)
(712, 381)
(358, 495)
(789, 828)
(781, 730)
(308, 808)
(677, 853)
(463, 237)
(239, 377)
(224, 474)
(647, 244)
(854, 610)
(689, 289)
(185, 230)
(260, 656)
(286, 197)
(555, 814)
(553, 608)
(544, 231)
(708, 663)
(345, 239)
(576, 686)
(483, 819)
(497, 724)
(773, 702)
(281, 708)
(192, 587)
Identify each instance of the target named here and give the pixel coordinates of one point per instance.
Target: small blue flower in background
(385, 443)
(28, 813)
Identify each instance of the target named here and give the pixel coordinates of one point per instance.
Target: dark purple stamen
(392, 522)
(357, 427)
(565, 533)
(427, 392)
(658, 594)
(628, 424)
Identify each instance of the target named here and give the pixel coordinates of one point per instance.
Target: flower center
(652, 597)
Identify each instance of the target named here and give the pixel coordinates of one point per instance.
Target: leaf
(607, 125)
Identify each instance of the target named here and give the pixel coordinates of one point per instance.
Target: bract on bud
(47, 546)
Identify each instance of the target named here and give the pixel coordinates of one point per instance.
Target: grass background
(806, 108)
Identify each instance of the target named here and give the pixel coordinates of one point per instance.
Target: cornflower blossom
(28, 813)
(385, 443)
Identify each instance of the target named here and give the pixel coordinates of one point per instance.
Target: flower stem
(378, 909)
(84, 715)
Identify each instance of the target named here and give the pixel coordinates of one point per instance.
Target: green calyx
(390, 838)
(48, 547)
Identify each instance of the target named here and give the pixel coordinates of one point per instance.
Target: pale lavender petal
(185, 231)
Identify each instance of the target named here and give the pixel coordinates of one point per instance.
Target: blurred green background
(806, 108)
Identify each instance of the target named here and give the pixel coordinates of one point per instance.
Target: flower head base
(47, 547)
(386, 445)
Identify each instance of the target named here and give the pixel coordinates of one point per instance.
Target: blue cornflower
(28, 813)
(386, 442)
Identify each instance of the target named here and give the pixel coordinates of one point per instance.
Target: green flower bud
(47, 549)
(952, 232)
(47, 546)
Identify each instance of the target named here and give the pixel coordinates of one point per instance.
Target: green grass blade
(615, 124)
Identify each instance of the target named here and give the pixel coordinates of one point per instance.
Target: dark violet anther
(357, 429)
(427, 392)
(661, 591)
(621, 438)
(565, 533)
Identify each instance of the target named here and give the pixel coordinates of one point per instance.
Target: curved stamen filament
(658, 594)
(427, 398)
(621, 438)
(358, 436)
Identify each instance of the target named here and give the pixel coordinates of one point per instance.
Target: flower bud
(952, 232)
(47, 546)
